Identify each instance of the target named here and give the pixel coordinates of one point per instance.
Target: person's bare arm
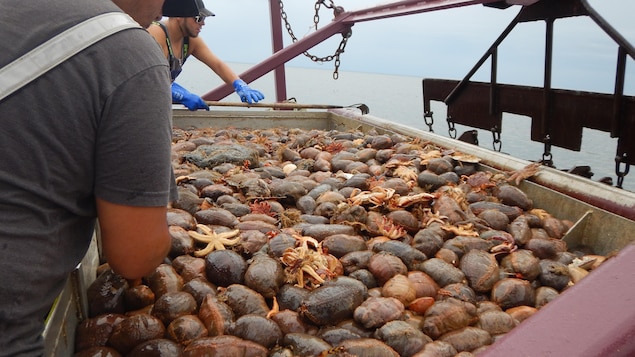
(202, 52)
(135, 240)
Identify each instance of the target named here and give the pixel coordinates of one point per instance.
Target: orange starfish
(526, 172)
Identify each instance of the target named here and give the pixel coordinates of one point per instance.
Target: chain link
(429, 120)
(451, 128)
(620, 174)
(316, 20)
(547, 159)
(496, 143)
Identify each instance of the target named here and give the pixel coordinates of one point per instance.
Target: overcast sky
(439, 44)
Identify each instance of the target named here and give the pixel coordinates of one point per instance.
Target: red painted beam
(280, 76)
(594, 318)
(410, 7)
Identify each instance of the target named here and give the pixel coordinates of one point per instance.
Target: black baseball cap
(185, 8)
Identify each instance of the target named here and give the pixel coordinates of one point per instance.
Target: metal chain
(620, 174)
(316, 19)
(496, 143)
(546, 156)
(429, 120)
(451, 128)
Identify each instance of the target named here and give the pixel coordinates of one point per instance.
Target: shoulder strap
(186, 42)
(185, 49)
(58, 49)
(167, 37)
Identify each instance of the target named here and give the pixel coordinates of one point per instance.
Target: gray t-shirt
(99, 124)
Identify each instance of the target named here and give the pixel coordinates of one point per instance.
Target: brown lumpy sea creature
(327, 243)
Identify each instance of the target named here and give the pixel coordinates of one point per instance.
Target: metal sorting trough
(592, 318)
(71, 306)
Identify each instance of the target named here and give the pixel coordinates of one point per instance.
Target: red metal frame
(558, 117)
(341, 24)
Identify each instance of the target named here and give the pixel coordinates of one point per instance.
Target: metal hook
(496, 143)
(620, 174)
(546, 156)
(429, 120)
(451, 128)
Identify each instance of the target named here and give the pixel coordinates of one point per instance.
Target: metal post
(493, 92)
(277, 45)
(546, 117)
(619, 92)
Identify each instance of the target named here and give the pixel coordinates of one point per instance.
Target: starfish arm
(218, 245)
(274, 309)
(205, 251)
(201, 237)
(309, 270)
(226, 241)
(210, 236)
(300, 279)
(228, 234)
(204, 228)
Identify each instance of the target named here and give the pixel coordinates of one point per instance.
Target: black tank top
(175, 63)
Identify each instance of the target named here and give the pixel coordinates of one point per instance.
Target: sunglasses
(199, 19)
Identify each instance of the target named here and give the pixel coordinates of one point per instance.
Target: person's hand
(246, 94)
(190, 100)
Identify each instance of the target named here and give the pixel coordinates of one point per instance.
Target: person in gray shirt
(89, 139)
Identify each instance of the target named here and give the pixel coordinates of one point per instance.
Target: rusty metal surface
(571, 111)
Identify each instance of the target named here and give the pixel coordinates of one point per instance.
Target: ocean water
(400, 99)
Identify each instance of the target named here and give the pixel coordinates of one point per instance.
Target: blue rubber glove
(246, 94)
(183, 96)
